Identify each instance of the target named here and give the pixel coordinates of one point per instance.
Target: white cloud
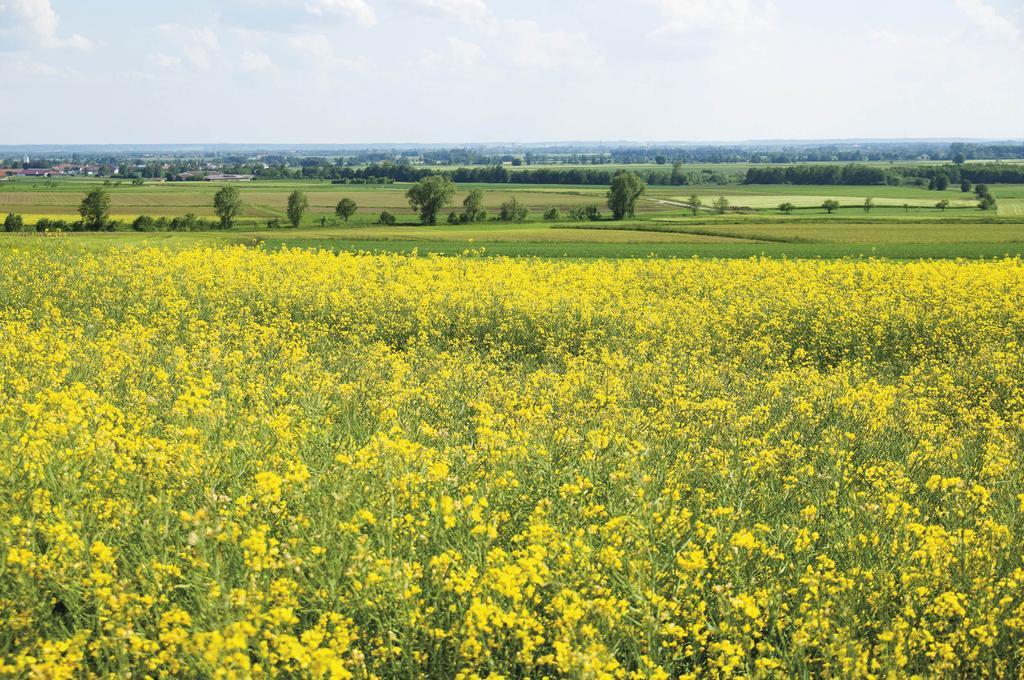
(319, 50)
(459, 54)
(36, 22)
(357, 10)
(464, 10)
(165, 60)
(255, 61)
(526, 44)
(988, 18)
(197, 44)
(682, 16)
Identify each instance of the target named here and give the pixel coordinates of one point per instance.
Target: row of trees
(431, 194)
(938, 177)
(986, 201)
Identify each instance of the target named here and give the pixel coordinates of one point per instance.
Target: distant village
(212, 173)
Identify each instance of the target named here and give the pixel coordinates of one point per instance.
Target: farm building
(218, 177)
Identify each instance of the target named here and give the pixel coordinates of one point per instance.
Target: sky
(462, 71)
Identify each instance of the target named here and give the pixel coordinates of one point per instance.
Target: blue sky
(360, 71)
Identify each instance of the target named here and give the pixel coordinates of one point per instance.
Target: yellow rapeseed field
(230, 462)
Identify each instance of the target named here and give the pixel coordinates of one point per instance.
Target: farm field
(235, 460)
(903, 224)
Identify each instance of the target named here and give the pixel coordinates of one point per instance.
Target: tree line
(932, 176)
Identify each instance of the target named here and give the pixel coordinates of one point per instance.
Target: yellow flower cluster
(226, 462)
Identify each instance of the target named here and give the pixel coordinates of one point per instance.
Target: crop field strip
(289, 462)
(903, 223)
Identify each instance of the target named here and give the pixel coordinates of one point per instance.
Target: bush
(144, 223)
(453, 218)
(512, 211)
(386, 218)
(189, 223)
(590, 212)
(13, 222)
(552, 215)
(46, 224)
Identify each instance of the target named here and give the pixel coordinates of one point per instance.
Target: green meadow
(903, 221)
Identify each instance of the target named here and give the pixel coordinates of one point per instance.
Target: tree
(95, 209)
(986, 201)
(965, 186)
(786, 207)
(677, 174)
(942, 205)
(830, 205)
(346, 208)
(429, 195)
(660, 160)
(940, 182)
(297, 206)
(625, 191)
(473, 207)
(695, 204)
(959, 159)
(386, 218)
(869, 203)
(227, 203)
(453, 218)
(13, 222)
(552, 215)
(721, 204)
(513, 211)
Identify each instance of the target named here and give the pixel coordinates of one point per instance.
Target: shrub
(144, 223)
(513, 211)
(13, 222)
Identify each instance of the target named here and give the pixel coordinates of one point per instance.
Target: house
(37, 172)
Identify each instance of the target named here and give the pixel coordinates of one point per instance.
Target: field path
(665, 201)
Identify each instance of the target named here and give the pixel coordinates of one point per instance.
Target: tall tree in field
(473, 207)
(95, 209)
(297, 205)
(786, 207)
(869, 203)
(721, 204)
(942, 205)
(695, 204)
(830, 206)
(227, 203)
(677, 174)
(345, 209)
(625, 191)
(987, 201)
(429, 195)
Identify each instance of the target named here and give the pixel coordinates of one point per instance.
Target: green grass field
(904, 223)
